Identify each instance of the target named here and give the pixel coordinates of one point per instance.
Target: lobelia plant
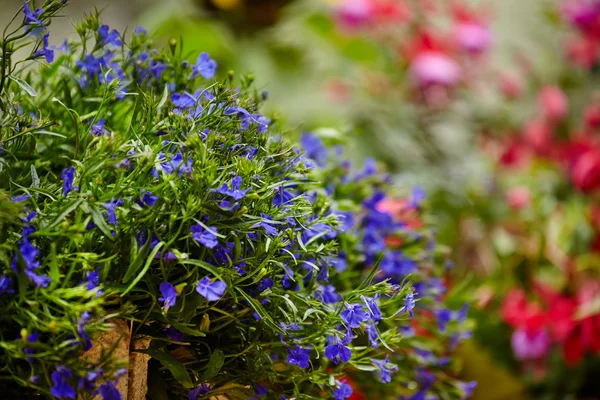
(134, 187)
(389, 234)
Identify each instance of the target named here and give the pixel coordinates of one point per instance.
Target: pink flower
(538, 135)
(553, 103)
(473, 37)
(586, 171)
(518, 197)
(530, 345)
(434, 68)
(354, 14)
(511, 85)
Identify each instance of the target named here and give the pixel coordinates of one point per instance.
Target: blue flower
(83, 320)
(265, 284)
(204, 67)
(282, 197)
(200, 390)
(343, 391)
(92, 279)
(32, 17)
(5, 283)
(467, 388)
(338, 349)
(235, 190)
(417, 196)
(206, 237)
(45, 51)
(444, 316)
(353, 315)
(108, 37)
(169, 295)
(19, 199)
(299, 356)
(385, 369)
(88, 382)
(328, 294)
(148, 199)
(110, 210)
(260, 390)
(373, 307)
(60, 379)
(265, 223)
(372, 333)
(98, 128)
(68, 175)
(409, 304)
(211, 290)
(314, 148)
(140, 30)
(108, 391)
(395, 263)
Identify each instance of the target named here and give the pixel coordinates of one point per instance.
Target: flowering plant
(134, 187)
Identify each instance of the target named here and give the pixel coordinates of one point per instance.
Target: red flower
(538, 135)
(553, 103)
(518, 197)
(586, 171)
(519, 313)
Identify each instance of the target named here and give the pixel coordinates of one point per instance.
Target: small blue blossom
(60, 383)
(417, 196)
(467, 388)
(327, 294)
(108, 37)
(353, 315)
(19, 199)
(338, 349)
(342, 392)
(109, 391)
(409, 304)
(68, 175)
(265, 223)
(373, 307)
(110, 210)
(372, 333)
(5, 284)
(199, 390)
(140, 30)
(299, 356)
(98, 128)
(88, 382)
(174, 334)
(385, 369)
(32, 17)
(261, 390)
(205, 67)
(314, 148)
(169, 295)
(46, 51)
(211, 290)
(83, 320)
(206, 237)
(233, 190)
(444, 316)
(148, 199)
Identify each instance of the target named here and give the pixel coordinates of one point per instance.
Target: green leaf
(183, 328)
(259, 309)
(54, 270)
(203, 265)
(137, 261)
(164, 98)
(24, 85)
(35, 180)
(138, 278)
(64, 214)
(100, 223)
(177, 369)
(217, 359)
